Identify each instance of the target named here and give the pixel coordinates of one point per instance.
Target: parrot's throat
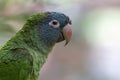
(38, 50)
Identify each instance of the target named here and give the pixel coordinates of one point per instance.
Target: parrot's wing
(15, 64)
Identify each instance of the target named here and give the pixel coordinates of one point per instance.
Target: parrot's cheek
(65, 34)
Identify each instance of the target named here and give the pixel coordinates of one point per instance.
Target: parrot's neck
(31, 39)
(36, 48)
(20, 42)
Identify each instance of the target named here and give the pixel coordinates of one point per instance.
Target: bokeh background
(94, 51)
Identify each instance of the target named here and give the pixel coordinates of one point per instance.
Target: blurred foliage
(4, 27)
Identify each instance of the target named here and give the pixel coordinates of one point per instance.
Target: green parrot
(22, 57)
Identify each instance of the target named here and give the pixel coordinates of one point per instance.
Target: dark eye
(54, 23)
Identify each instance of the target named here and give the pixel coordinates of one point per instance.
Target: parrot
(22, 56)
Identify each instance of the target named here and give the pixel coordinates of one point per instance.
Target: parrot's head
(57, 27)
(53, 27)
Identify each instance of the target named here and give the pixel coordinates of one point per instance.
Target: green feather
(22, 57)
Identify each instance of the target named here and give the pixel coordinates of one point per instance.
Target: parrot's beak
(67, 33)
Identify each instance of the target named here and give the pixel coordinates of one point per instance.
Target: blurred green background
(92, 54)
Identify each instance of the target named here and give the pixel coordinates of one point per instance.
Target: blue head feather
(48, 34)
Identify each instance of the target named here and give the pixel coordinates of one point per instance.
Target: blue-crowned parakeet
(22, 57)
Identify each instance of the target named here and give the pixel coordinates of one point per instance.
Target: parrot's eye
(54, 23)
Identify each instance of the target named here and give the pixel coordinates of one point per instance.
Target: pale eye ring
(54, 23)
